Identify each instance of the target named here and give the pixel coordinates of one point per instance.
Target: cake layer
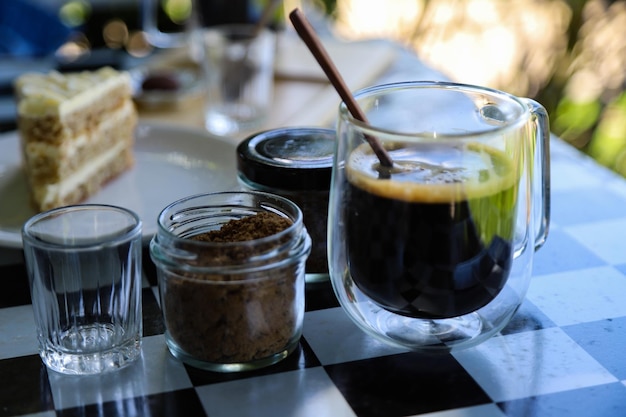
(84, 182)
(49, 163)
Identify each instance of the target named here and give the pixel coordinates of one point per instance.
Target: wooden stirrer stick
(308, 35)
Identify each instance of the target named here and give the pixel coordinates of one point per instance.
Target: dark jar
(295, 163)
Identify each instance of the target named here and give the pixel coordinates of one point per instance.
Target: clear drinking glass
(435, 252)
(238, 65)
(84, 269)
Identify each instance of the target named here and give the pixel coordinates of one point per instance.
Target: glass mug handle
(541, 171)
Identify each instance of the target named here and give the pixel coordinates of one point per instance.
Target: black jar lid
(292, 158)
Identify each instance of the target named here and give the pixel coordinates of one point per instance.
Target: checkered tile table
(564, 354)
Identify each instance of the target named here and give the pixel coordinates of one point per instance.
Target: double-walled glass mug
(434, 251)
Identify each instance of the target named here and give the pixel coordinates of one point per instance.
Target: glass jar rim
(297, 220)
(134, 228)
(181, 253)
(300, 250)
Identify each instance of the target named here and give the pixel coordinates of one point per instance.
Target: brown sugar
(231, 316)
(247, 228)
(260, 225)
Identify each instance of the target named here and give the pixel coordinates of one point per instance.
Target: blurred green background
(569, 55)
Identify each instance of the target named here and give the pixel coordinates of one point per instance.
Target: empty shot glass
(84, 271)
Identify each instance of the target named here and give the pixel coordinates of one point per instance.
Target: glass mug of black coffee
(431, 242)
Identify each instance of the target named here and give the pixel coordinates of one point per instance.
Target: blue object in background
(28, 29)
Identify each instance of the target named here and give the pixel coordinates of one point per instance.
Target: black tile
(605, 340)
(320, 295)
(176, 403)
(302, 357)
(25, 388)
(15, 289)
(405, 384)
(149, 268)
(598, 401)
(152, 317)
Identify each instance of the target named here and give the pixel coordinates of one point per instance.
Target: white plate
(171, 163)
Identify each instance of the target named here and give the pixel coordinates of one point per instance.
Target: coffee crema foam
(432, 172)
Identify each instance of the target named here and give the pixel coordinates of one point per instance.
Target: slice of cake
(76, 132)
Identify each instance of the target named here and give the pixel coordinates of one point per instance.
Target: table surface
(563, 354)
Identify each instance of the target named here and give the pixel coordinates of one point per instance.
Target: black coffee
(436, 249)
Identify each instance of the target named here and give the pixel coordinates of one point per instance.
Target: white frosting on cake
(59, 94)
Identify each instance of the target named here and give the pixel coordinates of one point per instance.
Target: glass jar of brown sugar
(296, 163)
(230, 268)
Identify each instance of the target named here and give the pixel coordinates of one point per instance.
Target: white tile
(605, 239)
(161, 371)
(532, 363)
(335, 338)
(618, 186)
(19, 336)
(154, 372)
(580, 296)
(571, 169)
(568, 176)
(302, 393)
